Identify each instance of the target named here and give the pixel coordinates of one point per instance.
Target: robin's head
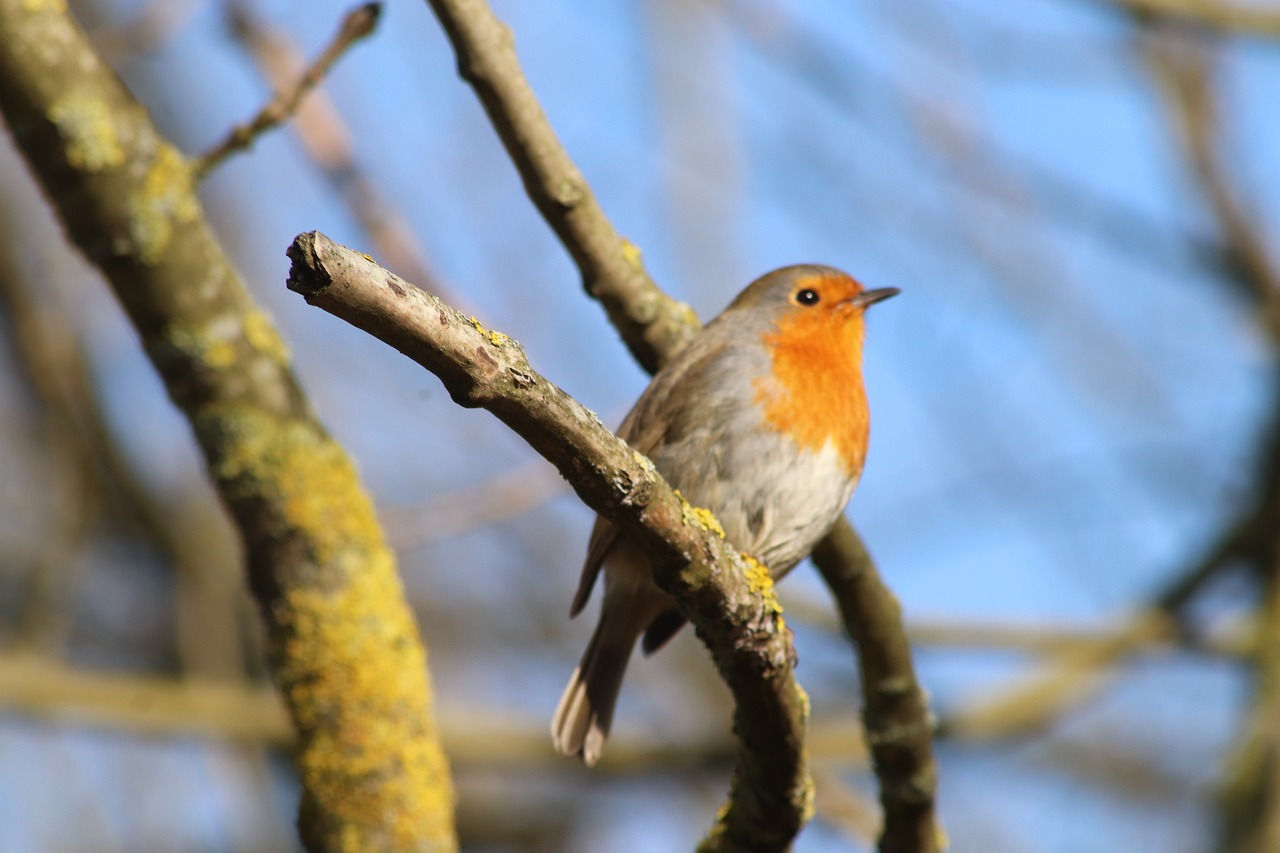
(825, 294)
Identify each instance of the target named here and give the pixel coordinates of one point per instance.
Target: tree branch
(1250, 805)
(342, 642)
(655, 327)
(1236, 18)
(895, 711)
(357, 24)
(739, 621)
(1181, 68)
(329, 141)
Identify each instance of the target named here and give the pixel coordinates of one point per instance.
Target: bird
(761, 418)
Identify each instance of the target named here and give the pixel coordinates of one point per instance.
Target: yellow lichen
(220, 355)
(714, 838)
(631, 254)
(351, 661)
(165, 199)
(89, 132)
(498, 339)
(808, 803)
(645, 463)
(263, 337)
(212, 345)
(687, 313)
(760, 581)
(310, 477)
(356, 667)
(696, 516)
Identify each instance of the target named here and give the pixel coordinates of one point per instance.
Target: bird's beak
(871, 297)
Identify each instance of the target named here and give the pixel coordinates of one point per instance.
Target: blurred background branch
(325, 582)
(358, 23)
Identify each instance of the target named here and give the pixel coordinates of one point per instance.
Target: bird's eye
(807, 297)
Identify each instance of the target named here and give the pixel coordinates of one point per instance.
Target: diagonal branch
(341, 639)
(358, 23)
(899, 727)
(1180, 66)
(771, 794)
(1250, 805)
(1228, 17)
(654, 327)
(331, 144)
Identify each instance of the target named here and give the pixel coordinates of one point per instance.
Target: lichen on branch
(341, 640)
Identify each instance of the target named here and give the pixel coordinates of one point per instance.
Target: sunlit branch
(771, 794)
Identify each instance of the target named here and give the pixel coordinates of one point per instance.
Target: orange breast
(815, 393)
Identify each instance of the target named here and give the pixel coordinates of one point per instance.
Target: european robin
(762, 419)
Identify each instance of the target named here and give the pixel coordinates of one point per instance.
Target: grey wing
(646, 431)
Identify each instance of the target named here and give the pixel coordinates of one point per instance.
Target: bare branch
(328, 140)
(771, 794)
(895, 711)
(341, 638)
(1067, 679)
(1250, 800)
(143, 705)
(358, 23)
(1035, 637)
(1250, 805)
(1180, 66)
(1228, 17)
(506, 496)
(653, 325)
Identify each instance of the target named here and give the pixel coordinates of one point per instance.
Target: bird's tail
(581, 721)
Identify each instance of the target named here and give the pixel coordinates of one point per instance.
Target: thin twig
(329, 141)
(771, 794)
(1233, 640)
(1249, 812)
(144, 705)
(1181, 67)
(358, 23)
(1066, 680)
(455, 513)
